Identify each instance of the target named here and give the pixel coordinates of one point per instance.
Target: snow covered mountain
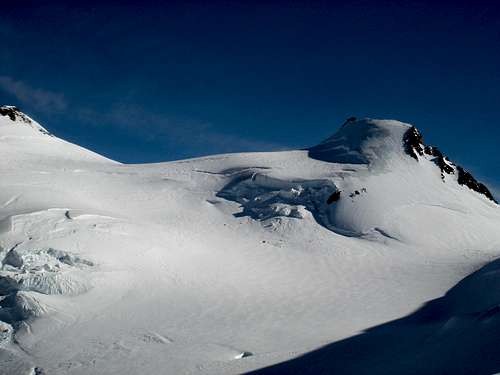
(232, 263)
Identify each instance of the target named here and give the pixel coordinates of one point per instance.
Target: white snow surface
(223, 264)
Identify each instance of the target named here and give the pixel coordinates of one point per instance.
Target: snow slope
(455, 334)
(229, 263)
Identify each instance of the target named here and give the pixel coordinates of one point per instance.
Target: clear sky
(161, 80)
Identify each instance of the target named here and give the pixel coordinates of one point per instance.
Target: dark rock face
(350, 119)
(413, 143)
(333, 198)
(5, 111)
(440, 160)
(465, 178)
(14, 113)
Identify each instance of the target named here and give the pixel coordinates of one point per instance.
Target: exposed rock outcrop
(413, 142)
(414, 146)
(465, 178)
(14, 113)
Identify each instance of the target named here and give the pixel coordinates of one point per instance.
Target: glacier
(235, 263)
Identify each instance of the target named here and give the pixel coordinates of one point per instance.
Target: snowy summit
(369, 253)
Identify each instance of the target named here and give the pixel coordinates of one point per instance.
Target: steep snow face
(362, 141)
(25, 139)
(227, 263)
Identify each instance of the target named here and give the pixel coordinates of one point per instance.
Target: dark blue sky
(151, 81)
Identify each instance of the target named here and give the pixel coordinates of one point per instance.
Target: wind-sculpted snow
(262, 197)
(361, 142)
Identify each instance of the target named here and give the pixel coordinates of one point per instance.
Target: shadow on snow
(458, 333)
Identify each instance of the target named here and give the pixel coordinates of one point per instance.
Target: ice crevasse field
(370, 253)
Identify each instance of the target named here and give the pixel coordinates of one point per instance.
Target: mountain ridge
(349, 140)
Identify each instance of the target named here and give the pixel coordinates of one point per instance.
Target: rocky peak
(415, 147)
(14, 114)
